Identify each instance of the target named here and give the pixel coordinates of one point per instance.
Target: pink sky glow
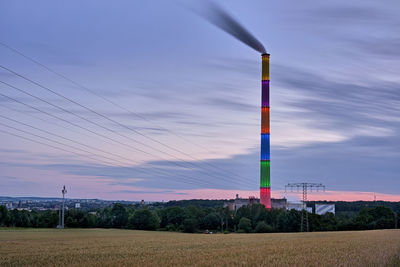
(229, 194)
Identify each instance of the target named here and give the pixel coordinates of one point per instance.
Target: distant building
(322, 209)
(230, 205)
(77, 205)
(240, 202)
(294, 206)
(278, 203)
(9, 205)
(23, 209)
(253, 200)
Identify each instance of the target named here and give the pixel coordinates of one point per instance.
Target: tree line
(193, 219)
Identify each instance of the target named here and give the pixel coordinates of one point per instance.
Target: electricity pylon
(61, 225)
(304, 227)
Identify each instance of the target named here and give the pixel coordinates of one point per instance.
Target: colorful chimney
(265, 179)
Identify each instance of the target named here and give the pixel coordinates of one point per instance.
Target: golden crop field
(101, 247)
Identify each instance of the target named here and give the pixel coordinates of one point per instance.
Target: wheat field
(101, 247)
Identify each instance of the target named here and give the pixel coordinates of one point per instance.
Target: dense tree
(144, 220)
(48, 219)
(211, 221)
(104, 218)
(258, 213)
(4, 216)
(74, 218)
(326, 222)
(289, 221)
(197, 213)
(262, 227)
(190, 225)
(199, 218)
(245, 225)
(20, 218)
(175, 216)
(242, 212)
(78, 219)
(225, 216)
(375, 218)
(119, 216)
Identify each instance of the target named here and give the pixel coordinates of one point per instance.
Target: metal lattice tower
(63, 191)
(304, 227)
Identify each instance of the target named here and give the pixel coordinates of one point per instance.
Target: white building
(321, 209)
(9, 205)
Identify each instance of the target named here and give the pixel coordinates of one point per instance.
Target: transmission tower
(61, 225)
(304, 227)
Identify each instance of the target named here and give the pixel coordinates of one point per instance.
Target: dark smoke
(223, 20)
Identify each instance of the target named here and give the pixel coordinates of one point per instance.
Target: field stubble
(94, 247)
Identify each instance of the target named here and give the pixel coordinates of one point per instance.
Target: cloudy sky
(146, 100)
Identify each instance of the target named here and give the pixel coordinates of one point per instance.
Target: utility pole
(304, 227)
(63, 191)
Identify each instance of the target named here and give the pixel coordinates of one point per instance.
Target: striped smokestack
(265, 179)
(223, 20)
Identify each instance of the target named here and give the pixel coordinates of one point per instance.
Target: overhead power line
(122, 144)
(88, 153)
(79, 143)
(30, 114)
(99, 95)
(123, 108)
(68, 139)
(107, 128)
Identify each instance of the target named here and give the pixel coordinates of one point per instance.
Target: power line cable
(71, 123)
(49, 139)
(47, 122)
(99, 95)
(106, 128)
(74, 124)
(95, 159)
(66, 138)
(121, 107)
(70, 140)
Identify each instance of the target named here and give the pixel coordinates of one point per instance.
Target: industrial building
(278, 203)
(240, 202)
